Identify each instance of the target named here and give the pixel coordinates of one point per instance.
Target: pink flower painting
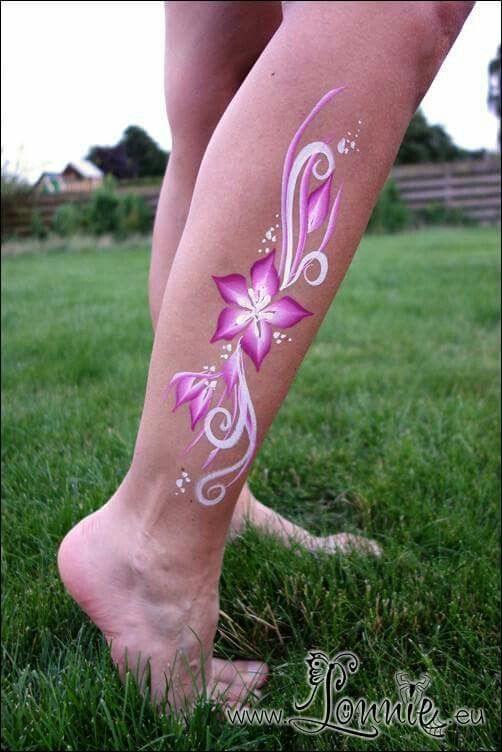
(254, 309)
(197, 389)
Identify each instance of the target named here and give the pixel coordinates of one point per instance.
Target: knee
(195, 103)
(450, 16)
(439, 22)
(431, 32)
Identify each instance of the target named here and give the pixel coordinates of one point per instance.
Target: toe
(375, 549)
(346, 543)
(253, 672)
(237, 682)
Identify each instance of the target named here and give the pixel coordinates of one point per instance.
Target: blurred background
(85, 140)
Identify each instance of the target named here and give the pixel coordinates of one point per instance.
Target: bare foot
(152, 609)
(249, 509)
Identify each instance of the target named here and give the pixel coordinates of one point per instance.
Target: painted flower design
(318, 205)
(252, 310)
(197, 388)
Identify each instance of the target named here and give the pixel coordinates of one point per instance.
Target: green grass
(391, 428)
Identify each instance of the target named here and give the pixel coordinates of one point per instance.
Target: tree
(135, 156)
(494, 86)
(429, 143)
(113, 160)
(149, 158)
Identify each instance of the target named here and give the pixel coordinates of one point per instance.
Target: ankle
(165, 536)
(175, 560)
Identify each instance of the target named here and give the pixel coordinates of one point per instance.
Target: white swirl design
(246, 421)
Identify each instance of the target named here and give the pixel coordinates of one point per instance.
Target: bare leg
(210, 47)
(146, 566)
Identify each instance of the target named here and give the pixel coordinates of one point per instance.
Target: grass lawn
(391, 428)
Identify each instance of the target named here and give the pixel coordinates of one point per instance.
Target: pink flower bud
(318, 205)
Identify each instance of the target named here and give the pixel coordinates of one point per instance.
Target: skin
(146, 566)
(210, 48)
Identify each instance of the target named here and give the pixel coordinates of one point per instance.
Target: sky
(76, 74)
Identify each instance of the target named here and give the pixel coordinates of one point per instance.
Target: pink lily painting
(254, 309)
(197, 389)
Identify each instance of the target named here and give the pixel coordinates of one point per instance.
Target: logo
(361, 718)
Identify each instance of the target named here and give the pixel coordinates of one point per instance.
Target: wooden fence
(45, 206)
(473, 187)
(470, 186)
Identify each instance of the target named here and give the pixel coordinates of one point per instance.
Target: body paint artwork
(219, 399)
